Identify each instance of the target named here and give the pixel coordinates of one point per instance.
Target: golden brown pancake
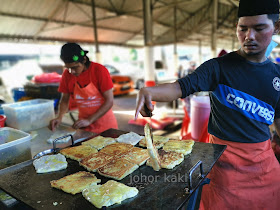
(75, 183)
(78, 152)
(168, 159)
(136, 155)
(158, 141)
(95, 161)
(180, 146)
(116, 148)
(99, 142)
(117, 169)
(153, 153)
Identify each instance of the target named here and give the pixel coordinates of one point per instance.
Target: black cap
(258, 7)
(72, 52)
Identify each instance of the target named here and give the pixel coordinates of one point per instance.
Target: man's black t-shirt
(244, 96)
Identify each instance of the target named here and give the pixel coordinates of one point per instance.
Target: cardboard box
(29, 115)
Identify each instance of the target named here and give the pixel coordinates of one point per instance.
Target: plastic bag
(47, 78)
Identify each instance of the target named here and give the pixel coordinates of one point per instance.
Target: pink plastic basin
(2, 120)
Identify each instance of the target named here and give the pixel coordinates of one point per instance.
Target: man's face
(254, 34)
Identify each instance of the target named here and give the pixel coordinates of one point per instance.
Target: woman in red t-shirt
(90, 86)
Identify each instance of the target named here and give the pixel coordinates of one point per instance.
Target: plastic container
(2, 120)
(29, 115)
(200, 111)
(1, 109)
(14, 147)
(18, 93)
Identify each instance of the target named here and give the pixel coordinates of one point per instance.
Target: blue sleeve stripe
(245, 104)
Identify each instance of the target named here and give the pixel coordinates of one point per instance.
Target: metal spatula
(149, 113)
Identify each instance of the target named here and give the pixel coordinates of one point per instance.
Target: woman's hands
(54, 123)
(81, 123)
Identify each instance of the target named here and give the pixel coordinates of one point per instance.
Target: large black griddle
(166, 189)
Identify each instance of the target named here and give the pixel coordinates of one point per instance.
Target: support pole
(199, 52)
(175, 69)
(148, 39)
(98, 56)
(214, 28)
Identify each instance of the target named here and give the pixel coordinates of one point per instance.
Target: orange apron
(89, 100)
(247, 176)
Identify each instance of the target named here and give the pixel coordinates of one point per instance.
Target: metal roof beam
(114, 8)
(52, 14)
(131, 13)
(61, 22)
(65, 12)
(226, 17)
(173, 4)
(183, 22)
(20, 37)
(105, 8)
(85, 12)
(234, 3)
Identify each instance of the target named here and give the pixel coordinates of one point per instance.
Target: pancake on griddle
(95, 161)
(117, 169)
(109, 193)
(168, 159)
(158, 141)
(50, 163)
(180, 146)
(129, 138)
(136, 155)
(153, 152)
(75, 183)
(78, 152)
(99, 142)
(116, 148)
